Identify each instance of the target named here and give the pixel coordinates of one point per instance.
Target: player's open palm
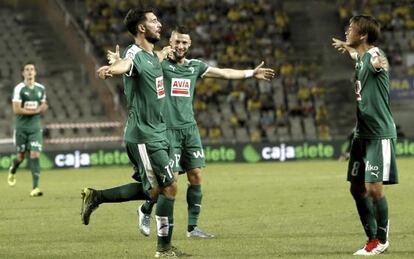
(113, 56)
(262, 73)
(339, 45)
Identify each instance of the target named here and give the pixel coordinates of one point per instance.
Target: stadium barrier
(225, 153)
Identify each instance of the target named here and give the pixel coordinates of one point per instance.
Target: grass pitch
(267, 210)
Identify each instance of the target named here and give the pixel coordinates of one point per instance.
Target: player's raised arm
(228, 73)
(118, 68)
(343, 47)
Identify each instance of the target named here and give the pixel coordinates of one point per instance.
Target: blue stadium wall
(226, 153)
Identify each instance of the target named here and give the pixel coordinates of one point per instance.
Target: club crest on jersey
(160, 87)
(180, 87)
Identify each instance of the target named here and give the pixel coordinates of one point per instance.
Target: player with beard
(180, 76)
(372, 157)
(145, 132)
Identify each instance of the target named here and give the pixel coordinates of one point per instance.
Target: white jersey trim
(16, 92)
(147, 165)
(132, 51)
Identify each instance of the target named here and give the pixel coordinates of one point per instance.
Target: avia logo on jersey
(30, 105)
(180, 87)
(160, 87)
(370, 167)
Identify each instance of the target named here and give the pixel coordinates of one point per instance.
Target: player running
(372, 158)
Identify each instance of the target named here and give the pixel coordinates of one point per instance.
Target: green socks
(165, 222)
(147, 206)
(365, 209)
(381, 207)
(194, 197)
(35, 168)
(15, 165)
(127, 192)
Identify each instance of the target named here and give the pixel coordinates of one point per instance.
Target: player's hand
(113, 56)
(166, 53)
(263, 73)
(379, 61)
(104, 72)
(339, 45)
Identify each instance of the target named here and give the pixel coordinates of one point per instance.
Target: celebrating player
(29, 101)
(372, 157)
(145, 133)
(180, 76)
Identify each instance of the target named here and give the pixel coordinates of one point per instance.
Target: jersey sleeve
(16, 94)
(44, 96)
(203, 68)
(374, 53)
(131, 53)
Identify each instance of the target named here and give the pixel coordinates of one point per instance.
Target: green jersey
(29, 98)
(180, 81)
(374, 117)
(144, 90)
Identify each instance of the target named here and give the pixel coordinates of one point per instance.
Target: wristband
(248, 73)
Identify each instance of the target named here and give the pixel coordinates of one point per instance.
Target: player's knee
(375, 190)
(20, 156)
(170, 191)
(194, 176)
(34, 155)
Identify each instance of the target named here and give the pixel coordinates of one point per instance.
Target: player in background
(29, 101)
(372, 158)
(180, 76)
(145, 132)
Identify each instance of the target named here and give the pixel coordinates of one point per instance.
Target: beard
(151, 37)
(180, 56)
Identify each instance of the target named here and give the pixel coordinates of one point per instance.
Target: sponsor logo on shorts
(370, 167)
(198, 154)
(375, 174)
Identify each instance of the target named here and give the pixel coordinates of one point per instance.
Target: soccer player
(145, 132)
(180, 76)
(29, 101)
(372, 159)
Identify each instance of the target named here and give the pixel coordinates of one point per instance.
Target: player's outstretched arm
(343, 47)
(120, 67)
(117, 65)
(227, 73)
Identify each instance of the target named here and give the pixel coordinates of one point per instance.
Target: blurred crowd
(235, 34)
(397, 25)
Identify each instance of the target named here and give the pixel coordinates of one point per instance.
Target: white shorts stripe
(386, 159)
(147, 165)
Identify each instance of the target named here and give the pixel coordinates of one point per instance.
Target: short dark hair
(181, 29)
(28, 63)
(367, 25)
(136, 16)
